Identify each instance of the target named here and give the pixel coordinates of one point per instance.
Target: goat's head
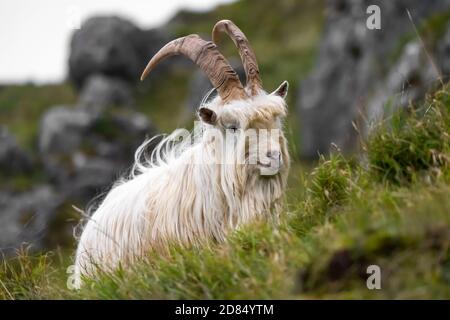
(247, 116)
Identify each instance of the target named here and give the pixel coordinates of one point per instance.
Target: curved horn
(246, 52)
(209, 59)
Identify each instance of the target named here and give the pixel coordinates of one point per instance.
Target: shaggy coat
(186, 194)
(230, 172)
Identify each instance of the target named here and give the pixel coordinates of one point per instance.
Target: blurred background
(72, 111)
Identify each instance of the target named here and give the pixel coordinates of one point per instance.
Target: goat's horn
(209, 59)
(246, 52)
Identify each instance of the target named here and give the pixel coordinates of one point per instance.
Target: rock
(83, 153)
(62, 128)
(353, 60)
(111, 46)
(13, 159)
(24, 218)
(100, 91)
(406, 82)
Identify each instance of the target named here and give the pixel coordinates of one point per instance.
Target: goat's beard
(248, 186)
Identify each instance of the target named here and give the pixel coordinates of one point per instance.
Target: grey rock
(25, 217)
(111, 46)
(83, 152)
(406, 82)
(62, 128)
(353, 60)
(100, 92)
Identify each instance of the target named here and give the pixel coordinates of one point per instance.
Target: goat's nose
(276, 155)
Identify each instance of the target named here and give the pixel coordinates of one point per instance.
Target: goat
(189, 193)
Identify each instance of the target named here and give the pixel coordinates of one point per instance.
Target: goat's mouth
(264, 165)
(270, 168)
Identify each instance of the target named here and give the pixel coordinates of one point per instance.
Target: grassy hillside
(390, 208)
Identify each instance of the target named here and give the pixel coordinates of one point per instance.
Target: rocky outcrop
(111, 46)
(25, 218)
(406, 82)
(84, 152)
(352, 65)
(100, 92)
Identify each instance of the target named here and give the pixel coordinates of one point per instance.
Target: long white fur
(184, 193)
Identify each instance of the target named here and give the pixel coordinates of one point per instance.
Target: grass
(157, 100)
(414, 144)
(343, 216)
(22, 105)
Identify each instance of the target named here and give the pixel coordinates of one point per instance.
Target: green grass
(413, 144)
(22, 105)
(341, 217)
(164, 100)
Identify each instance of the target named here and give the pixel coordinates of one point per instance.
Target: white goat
(189, 193)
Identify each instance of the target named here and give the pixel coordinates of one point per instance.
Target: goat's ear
(282, 90)
(207, 115)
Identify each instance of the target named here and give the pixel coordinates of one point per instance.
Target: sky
(35, 34)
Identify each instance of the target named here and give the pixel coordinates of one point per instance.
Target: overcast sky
(35, 34)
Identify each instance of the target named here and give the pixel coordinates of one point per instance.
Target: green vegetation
(21, 182)
(164, 100)
(391, 209)
(282, 53)
(21, 107)
(414, 144)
